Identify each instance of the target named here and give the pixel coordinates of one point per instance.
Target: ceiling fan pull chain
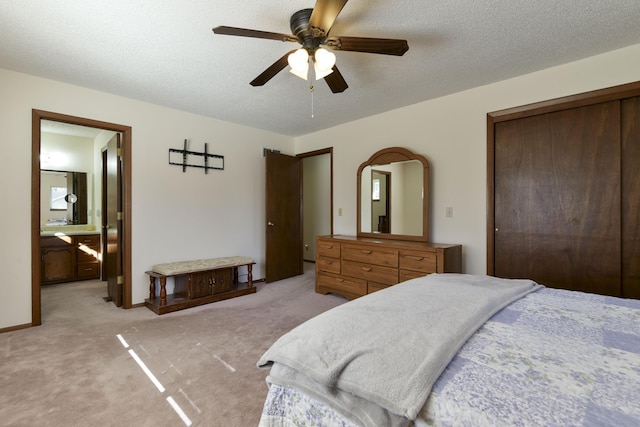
(311, 90)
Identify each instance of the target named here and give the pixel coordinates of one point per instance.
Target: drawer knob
(415, 258)
(366, 252)
(366, 268)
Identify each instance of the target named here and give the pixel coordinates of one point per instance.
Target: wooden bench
(198, 282)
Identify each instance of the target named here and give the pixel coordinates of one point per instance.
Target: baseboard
(15, 328)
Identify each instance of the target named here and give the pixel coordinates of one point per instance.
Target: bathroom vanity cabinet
(67, 258)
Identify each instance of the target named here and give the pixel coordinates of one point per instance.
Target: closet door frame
(558, 104)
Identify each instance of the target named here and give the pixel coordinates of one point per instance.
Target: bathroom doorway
(124, 246)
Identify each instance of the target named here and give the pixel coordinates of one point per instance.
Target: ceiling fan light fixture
(299, 63)
(323, 62)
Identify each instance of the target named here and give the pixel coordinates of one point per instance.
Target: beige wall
(176, 215)
(451, 133)
(192, 215)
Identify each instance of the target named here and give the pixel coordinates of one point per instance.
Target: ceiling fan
(310, 28)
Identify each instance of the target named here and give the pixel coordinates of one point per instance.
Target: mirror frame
(385, 157)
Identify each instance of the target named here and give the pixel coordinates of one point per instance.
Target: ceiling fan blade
(335, 81)
(243, 32)
(274, 69)
(323, 16)
(368, 45)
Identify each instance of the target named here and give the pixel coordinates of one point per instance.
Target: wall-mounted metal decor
(202, 160)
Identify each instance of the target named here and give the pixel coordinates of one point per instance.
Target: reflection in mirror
(380, 212)
(400, 199)
(392, 199)
(64, 197)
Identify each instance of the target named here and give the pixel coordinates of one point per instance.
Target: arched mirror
(393, 196)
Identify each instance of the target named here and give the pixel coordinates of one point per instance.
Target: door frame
(553, 105)
(37, 116)
(300, 157)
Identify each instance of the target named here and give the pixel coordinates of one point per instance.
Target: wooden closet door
(630, 110)
(557, 199)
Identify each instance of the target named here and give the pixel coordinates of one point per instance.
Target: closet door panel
(631, 197)
(557, 198)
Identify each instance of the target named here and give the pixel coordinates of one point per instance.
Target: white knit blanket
(385, 350)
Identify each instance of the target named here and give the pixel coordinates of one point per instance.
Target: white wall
(175, 215)
(451, 133)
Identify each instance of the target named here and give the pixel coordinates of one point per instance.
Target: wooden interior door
(113, 215)
(630, 110)
(284, 217)
(557, 198)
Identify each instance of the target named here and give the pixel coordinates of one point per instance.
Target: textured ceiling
(69, 129)
(164, 52)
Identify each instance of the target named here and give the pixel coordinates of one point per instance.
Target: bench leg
(250, 275)
(163, 291)
(152, 288)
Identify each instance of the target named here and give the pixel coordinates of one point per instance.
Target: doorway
(287, 216)
(317, 200)
(37, 117)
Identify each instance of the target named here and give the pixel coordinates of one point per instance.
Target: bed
(454, 349)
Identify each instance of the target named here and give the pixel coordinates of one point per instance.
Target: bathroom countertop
(69, 230)
(67, 233)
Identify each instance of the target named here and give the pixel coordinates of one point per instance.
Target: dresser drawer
(373, 287)
(88, 270)
(366, 254)
(87, 255)
(370, 272)
(357, 287)
(332, 265)
(410, 274)
(418, 261)
(88, 240)
(327, 249)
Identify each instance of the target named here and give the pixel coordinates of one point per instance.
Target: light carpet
(75, 369)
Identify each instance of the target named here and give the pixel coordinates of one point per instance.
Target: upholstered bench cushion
(182, 267)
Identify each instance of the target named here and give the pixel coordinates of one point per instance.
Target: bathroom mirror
(393, 202)
(74, 206)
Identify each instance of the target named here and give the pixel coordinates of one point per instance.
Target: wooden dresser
(355, 266)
